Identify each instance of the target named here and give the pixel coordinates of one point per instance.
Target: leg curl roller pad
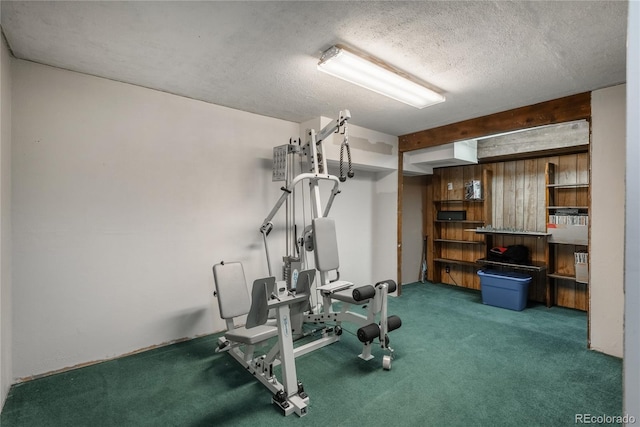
(363, 292)
(393, 323)
(368, 333)
(391, 285)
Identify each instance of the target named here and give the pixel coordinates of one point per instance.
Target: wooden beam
(574, 107)
(570, 136)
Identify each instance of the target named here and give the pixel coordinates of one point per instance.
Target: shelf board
(456, 262)
(467, 242)
(564, 277)
(513, 233)
(568, 207)
(459, 201)
(578, 185)
(534, 266)
(466, 221)
(575, 242)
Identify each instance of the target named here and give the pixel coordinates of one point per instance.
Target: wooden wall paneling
(462, 278)
(442, 188)
(471, 279)
(519, 195)
(541, 209)
(509, 195)
(458, 233)
(445, 174)
(565, 293)
(469, 174)
(487, 184)
(582, 176)
(498, 196)
(539, 253)
(581, 296)
(530, 199)
(583, 167)
(565, 289)
(565, 260)
(566, 174)
(454, 250)
(567, 169)
(456, 177)
(537, 292)
(488, 188)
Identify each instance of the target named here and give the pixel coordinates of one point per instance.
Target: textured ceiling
(261, 56)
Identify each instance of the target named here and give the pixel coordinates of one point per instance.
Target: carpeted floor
(458, 363)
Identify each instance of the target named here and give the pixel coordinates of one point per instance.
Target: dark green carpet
(458, 363)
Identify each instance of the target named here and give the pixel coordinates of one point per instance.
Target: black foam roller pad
(393, 323)
(363, 292)
(368, 333)
(391, 285)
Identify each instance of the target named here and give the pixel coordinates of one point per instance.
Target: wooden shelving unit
(567, 213)
(454, 250)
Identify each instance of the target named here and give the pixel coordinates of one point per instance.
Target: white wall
(607, 219)
(5, 222)
(384, 229)
(631, 367)
(123, 198)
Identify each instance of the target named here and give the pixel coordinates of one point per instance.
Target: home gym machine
(291, 298)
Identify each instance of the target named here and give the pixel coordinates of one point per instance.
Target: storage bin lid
(501, 274)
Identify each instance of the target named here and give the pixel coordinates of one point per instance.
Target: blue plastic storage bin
(504, 289)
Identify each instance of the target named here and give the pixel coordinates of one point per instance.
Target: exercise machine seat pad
(251, 336)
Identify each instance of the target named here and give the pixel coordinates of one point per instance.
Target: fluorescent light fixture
(376, 76)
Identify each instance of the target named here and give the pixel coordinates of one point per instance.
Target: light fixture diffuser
(376, 76)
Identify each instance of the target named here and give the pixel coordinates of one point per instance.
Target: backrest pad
(325, 244)
(260, 294)
(231, 286)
